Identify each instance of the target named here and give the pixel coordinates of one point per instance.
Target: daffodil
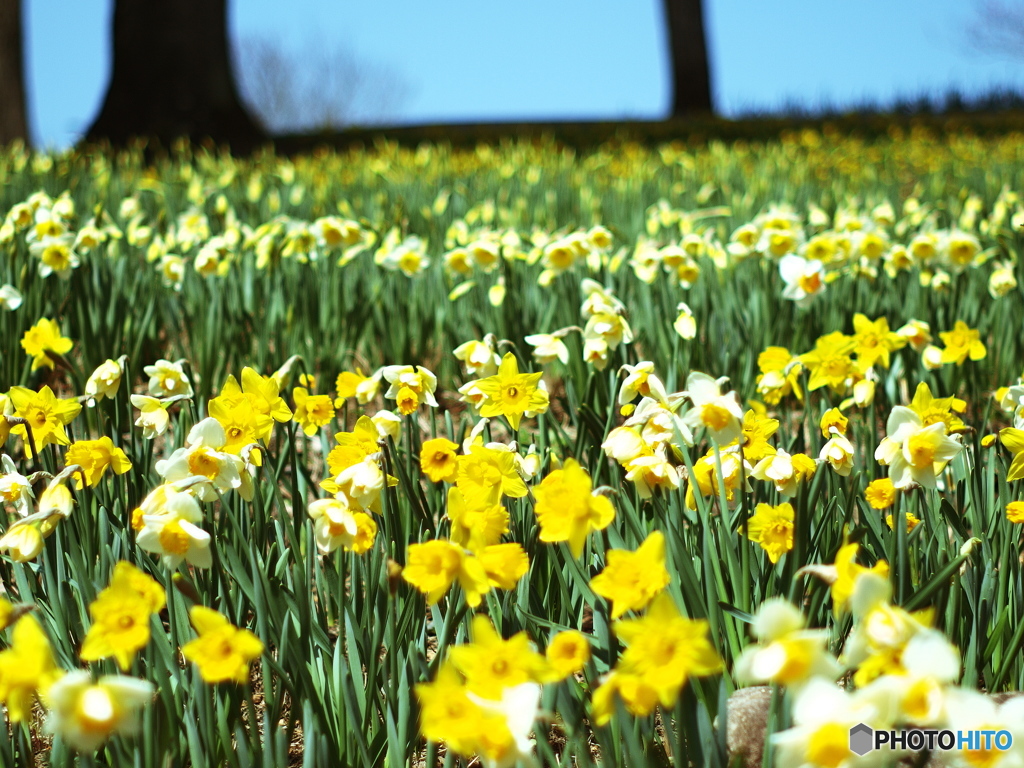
(772, 528)
(845, 573)
(641, 380)
(312, 412)
(830, 363)
(478, 357)
(439, 460)
(432, 566)
(567, 653)
(46, 416)
(95, 457)
(780, 375)
(757, 429)
(651, 471)
(337, 525)
(735, 473)
(787, 652)
(880, 494)
(567, 509)
(492, 664)
(170, 529)
(10, 297)
(15, 489)
(486, 474)
(475, 526)
(222, 652)
(43, 338)
(1013, 439)
(962, 342)
(785, 470)
(496, 730)
(120, 615)
(362, 388)
(630, 580)
(664, 649)
(804, 278)
(410, 387)
(915, 453)
(104, 381)
(823, 714)
(27, 668)
(839, 453)
(685, 324)
(512, 394)
(85, 714)
(933, 409)
(167, 379)
(548, 347)
(360, 485)
(719, 414)
(873, 341)
(1015, 511)
(202, 456)
(153, 416)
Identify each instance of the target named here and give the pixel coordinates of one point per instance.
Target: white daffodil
(720, 414)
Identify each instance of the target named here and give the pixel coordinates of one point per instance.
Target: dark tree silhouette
(172, 76)
(691, 78)
(13, 122)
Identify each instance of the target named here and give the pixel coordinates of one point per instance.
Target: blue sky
(550, 59)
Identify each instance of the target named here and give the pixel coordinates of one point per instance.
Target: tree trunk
(172, 76)
(13, 122)
(691, 80)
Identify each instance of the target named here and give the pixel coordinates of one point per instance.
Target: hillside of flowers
(511, 455)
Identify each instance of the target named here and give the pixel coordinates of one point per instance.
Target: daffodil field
(517, 454)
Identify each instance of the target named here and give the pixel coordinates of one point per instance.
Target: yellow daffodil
(222, 652)
(491, 664)
(631, 580)
(567, 653)
(120, 615)
(94, 457)
(664, 649)
(512, 394)
(880, 494)
(475, 526)
(439, 460)
(431, 568)
(780, 375)
(312, 411)
(46, 415)
(567, 510)
(42, 338)
(873, 341)
(362, 388)
(27, 668)
(962, 342)
(830, 363)
(772, 528)
(485, 475)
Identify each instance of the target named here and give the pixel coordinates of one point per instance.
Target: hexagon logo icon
(862, 739)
